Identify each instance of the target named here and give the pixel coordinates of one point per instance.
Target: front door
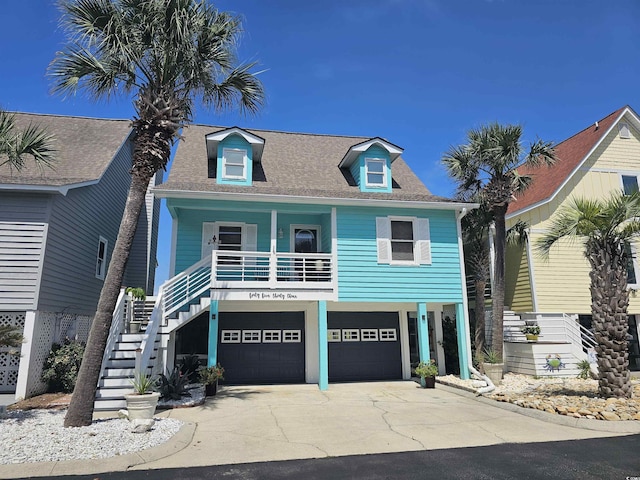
(305, 238)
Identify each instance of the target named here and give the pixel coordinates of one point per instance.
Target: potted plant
(531, 332)
(142, 402)
(427, 373)
(135, 294)
(492, 364)
(209, 376)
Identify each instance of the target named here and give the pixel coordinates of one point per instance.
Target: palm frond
(15, 144)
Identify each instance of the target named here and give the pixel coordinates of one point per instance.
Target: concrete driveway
(262, 423)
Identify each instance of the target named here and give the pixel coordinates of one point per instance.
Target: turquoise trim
(373, 152)
(423, 333)
(323, 347)
(213, 334)
(462, 327)
(235, 141)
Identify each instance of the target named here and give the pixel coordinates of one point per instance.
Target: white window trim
(354, 331)
(233, 336)
(629, 174)
(385, 335)
(245, 159)
(369, 334)
(367, 160)
(248, 336)
(421, 241)
(334, 335)
(276, 336)
(100, 274)
(297, 336)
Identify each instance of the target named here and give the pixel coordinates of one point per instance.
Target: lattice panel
(9, 364)
(42, 341)
(83, 327)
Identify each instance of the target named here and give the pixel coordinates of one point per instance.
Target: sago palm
(16, 144)
(606, 227)
(170, 55)
(487, 165)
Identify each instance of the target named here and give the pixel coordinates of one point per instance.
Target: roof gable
(257, 143)
(571, 154)
(355, 150)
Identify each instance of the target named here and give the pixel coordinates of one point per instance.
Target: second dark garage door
(364, 346)
(261, 347)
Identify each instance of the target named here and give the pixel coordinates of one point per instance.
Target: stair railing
(186, 286)
(117, 327)
(148, 341)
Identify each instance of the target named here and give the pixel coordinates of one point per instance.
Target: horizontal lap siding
(517, 288)
(21, 249)
(77, 221)
(361, 278)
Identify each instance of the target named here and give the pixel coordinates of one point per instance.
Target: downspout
(490, 386)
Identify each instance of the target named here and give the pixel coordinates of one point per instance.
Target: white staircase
(179, 300)
(119, 370)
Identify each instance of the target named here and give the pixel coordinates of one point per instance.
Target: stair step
(123, 354)
(113, 393)
(109, 405)
(131, 337)
(113, 382)
(111, 372)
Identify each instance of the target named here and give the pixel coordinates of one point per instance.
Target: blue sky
(419, 73)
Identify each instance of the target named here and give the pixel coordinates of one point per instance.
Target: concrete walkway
(264, 423)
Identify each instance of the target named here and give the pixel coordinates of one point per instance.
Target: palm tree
(16, 144)
(475, 235)
(170, 55)
(487, 165)
(607, 228)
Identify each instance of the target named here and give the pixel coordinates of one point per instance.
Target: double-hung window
(234, 164)
(630, 184)
(403, 240)
(375, 172)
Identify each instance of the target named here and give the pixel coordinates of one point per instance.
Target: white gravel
(39, 436)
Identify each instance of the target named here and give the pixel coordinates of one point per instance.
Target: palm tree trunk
(80, 411)
(497, 294)
(479, 315)
(609, 303)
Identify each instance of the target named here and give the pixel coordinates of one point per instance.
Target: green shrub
(62, 365)
(584, 370)
(189, 366)
(172, 387)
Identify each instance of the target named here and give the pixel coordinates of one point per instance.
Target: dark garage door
(364, 346)
(261, 347)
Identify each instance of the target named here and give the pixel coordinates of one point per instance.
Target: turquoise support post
(213, 334)
(462, 327)
(323, 347)
(423, 333)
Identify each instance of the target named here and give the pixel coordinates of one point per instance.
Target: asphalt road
(603, 458)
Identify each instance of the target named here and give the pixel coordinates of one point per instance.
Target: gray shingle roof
(294, 164)
(85, 148)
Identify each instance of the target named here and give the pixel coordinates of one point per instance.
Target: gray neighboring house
(57, 232)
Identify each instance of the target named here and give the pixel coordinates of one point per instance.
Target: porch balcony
(238, 275)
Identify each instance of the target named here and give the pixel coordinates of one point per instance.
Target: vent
(624, 130)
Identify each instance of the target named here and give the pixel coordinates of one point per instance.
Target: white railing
(117, 327)
(148, 341)
(558, 327)
(272, 270)
(186, 286)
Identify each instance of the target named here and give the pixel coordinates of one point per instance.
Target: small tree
(606, 228)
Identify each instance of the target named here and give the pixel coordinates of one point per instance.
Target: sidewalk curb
(89, 466)
(622, 426)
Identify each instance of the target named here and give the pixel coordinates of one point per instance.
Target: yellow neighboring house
(602, 158)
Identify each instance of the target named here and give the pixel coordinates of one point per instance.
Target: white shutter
(250, 240)
(423, 244)
(383, 239)
(208, 231)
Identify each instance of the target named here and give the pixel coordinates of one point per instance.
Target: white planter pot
(141, 406)
(494, 371)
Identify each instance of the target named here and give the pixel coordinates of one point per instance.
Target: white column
(404, 344)
(436, 308)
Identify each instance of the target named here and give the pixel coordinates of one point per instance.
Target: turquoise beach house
(303, 258)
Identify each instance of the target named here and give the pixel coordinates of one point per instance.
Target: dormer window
(234, 164)
(376, 172)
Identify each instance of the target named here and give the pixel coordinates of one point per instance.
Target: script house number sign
(272, 296)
